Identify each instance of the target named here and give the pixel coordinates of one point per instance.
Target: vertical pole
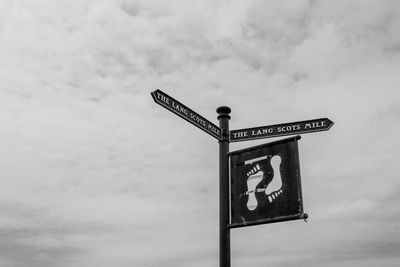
(224, 230)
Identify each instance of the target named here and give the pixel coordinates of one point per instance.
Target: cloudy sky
(94, 173)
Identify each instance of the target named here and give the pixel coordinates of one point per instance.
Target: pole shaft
(224, 230)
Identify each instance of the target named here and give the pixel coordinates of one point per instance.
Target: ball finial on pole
(223, 111)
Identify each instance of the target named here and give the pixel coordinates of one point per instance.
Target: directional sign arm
(283, 129)
(186, 113)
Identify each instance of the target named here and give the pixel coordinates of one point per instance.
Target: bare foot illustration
(274, 189)
(254, 177)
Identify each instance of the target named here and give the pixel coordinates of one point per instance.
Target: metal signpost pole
(224, 230)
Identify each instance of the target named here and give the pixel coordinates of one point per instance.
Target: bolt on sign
(265, 184)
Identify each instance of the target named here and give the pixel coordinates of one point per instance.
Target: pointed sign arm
(291, 128)
(186, 113)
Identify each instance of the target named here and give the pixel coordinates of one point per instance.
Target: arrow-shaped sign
(186, 113)
(291, 128)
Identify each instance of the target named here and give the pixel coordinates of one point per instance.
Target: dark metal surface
(283, 129)
(186, 113)
(263, 191)
(224, 230)
(269, 220)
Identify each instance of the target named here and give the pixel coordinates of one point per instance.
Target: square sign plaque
(265, 184)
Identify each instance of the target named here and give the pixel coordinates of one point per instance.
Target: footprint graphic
(274, 188)
(263, 176)
(254, 177)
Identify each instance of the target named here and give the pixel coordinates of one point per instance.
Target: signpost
(265, 180)
(292, 128)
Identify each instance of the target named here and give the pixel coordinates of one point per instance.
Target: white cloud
(93, 172)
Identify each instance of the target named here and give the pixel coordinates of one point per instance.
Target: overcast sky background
(94, 173)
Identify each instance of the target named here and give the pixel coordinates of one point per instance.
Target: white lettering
(239, 134)
(198, 120)
(268, 131)
(282, 129)
(179, 108)
(313, 125)
(163, 98)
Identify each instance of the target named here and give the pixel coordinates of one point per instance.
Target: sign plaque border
(238, 159)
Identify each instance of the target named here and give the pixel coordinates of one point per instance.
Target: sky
(94, 173)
